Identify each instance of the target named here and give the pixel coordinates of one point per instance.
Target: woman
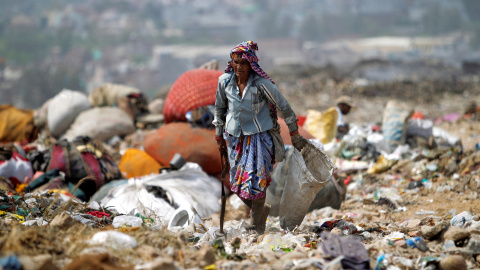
(245, 111)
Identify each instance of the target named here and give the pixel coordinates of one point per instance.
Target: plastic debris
(128, 221)
(461, 219)
(113, 239)
(417, 242)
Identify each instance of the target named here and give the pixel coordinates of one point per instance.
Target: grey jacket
(249, 114)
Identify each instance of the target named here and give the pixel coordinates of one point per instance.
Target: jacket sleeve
(221, 106)
(275, 96)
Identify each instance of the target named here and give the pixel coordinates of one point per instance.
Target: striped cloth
(247, 50)
(250, 159)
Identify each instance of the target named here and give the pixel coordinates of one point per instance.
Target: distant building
(349, 52)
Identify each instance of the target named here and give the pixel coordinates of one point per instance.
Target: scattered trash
(127, 221)
(425, 212)
(113, 239)
(461, 219)
(417, 242)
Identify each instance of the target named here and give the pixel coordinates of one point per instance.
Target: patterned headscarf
(247, 50)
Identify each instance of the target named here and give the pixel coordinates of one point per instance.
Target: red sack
(193, 89)
(67, 159)
(94, 166)
(194, 144)
(76, 166)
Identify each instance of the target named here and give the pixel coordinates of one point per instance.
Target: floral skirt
(250, 158)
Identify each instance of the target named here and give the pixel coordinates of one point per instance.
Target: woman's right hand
(298, 141)
(221, 144)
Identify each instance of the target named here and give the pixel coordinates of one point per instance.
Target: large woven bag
(193, 89)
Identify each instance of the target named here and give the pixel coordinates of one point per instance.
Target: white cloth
(340, 117)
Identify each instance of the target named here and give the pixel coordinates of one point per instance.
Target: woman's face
(241, 67)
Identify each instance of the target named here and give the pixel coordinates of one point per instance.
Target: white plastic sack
(329, 196)
(190, 187)
(313, 170)
(63, 109)
(17, 167)
(394, 123)
(101, 123)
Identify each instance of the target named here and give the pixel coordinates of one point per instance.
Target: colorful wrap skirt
(250, 158)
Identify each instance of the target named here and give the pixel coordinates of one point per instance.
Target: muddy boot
(260, 211)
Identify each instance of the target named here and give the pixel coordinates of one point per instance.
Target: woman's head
(241, 66)
(246, 51)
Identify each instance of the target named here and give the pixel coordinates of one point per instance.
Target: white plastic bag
(113, 239)
(444, 136)
(17, 167)
(131, 221)
(190, 188)
(314, 170)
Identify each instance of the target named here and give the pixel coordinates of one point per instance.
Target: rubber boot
(260, 211)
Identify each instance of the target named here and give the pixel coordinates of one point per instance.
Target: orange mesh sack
(136, 163)
(193, 89)
(196, 145)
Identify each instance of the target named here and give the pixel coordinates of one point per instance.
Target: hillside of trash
(114, 180)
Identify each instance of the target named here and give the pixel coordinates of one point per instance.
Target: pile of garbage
(102, 182)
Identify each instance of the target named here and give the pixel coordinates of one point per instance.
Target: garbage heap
(137, 199)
